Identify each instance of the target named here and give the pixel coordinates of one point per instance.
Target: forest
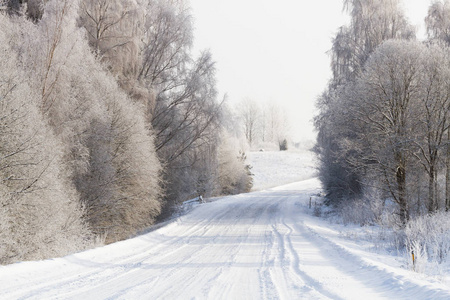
(383, 126)
(108, 120)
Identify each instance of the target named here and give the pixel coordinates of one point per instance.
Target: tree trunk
(447, 176)
(431, 189)
(402, 201)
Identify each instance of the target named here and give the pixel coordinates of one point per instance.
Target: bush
(234, 174)
(283, 145)
(429, 237)
(356, 211)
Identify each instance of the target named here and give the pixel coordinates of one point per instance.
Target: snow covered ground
(261, 245)
(274, 168)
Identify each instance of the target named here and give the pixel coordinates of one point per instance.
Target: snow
(276, 168)
(262, 245)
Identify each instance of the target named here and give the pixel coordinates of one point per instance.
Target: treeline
(383, 127)
(107, 121)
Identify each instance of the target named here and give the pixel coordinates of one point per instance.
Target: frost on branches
(106, 120)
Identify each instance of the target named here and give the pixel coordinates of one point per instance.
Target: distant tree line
(383, 126)
(107, 122)
(263, 124)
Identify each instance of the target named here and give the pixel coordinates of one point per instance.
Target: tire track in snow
(101, 272)
(295, 265)
(291, 262)
(256, 215)
(234, 213)
(177, 250)
(268, 290)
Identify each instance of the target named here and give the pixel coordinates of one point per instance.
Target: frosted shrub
(121, 187)
(421, 262)
(356, 211)
(234, 174)
(430, 235)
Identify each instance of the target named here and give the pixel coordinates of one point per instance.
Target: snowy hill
(275, 168)
(261, 245)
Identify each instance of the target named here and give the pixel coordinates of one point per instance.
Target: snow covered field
(261, 245)
(276, 168)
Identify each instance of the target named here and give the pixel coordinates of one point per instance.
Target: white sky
(276, 50)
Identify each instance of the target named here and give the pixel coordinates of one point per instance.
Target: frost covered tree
(108, 145)
(147, 46)
(371, 23)
(120, 187)
(438, 30)
(434, 117)
(117, 173)
(382, 106)
(96, 97)
(276, 123)
(100, 18)
(40, 215)
(438, 21)
(384, 122)
(114, 33)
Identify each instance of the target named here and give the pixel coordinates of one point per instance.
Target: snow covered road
(260, 245)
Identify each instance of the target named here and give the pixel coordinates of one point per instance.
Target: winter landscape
(208, 149)
(267, 244)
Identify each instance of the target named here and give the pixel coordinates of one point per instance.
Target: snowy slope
(275, 168)
(262, 245)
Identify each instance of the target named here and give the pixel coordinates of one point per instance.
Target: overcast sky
(276, 50)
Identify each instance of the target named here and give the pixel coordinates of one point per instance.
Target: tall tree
(438, 30)
(371, 23)
(434, 107)
(382, 105)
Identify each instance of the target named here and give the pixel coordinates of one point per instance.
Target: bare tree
(250, 114)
